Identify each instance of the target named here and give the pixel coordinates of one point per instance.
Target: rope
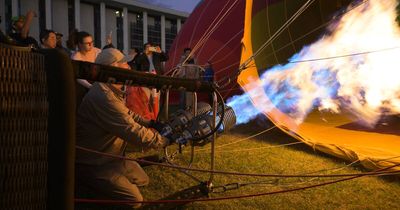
(226, 44)
(305, 35)
(209, 32)
(242, 139)
(214, 25)
(294, 17)
(258, 148)
(199, 20)
(195, 28)
(314, 30)
(278, 183)
(80, 200)
(345, 55)
(278, 32)
(224, 172)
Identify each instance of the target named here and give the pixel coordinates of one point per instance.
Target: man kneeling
(105, 124)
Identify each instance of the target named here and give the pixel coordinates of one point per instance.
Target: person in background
(71, 42)
(135, 53)
(86, 49)
(186, 58)
(138, 98)
(188, 70)
(109, 43)
(48, 39)
(5, 38)
(208, 76)
(151, 61)
(105, 124)
(21, 26)
(86, 52)
(59, 44)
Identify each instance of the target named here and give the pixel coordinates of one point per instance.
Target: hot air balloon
(265, 40)
(214, 31)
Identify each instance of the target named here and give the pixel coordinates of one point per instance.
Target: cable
(242, 139)
(230, 51)
(225, 172)
(209, 30)
(277, 33)
(214, 27)
(259, 148)
(346, 55)
(312, 179)
(315, 29)
(237, 197)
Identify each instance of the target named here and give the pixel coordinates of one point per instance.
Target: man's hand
(109, 38)
(161, 128)
(31, 14)
(165, 142)
(157, 125)
(158, 49)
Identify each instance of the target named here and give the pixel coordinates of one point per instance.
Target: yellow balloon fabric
(335, 134)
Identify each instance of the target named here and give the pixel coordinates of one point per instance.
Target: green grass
(362, 193)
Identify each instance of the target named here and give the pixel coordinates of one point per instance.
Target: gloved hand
(157, 125)
(166, 142)
(162, 129)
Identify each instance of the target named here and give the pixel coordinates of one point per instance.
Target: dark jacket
(142, 63)
(28, 41)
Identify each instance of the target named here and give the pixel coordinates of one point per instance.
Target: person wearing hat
(59, 44)
(105, 124)
(21, 26)
(113, 57)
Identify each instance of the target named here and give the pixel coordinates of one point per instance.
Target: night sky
(180, 5)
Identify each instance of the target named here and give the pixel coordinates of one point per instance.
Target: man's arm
(118, 120)
(27, 24)
(163, 56)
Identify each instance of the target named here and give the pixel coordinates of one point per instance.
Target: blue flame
(284, 94)
(243, 108)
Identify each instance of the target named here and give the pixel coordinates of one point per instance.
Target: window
(97, 26)
(42, 16)
(71, 15)
(154, 30)
(136, 31)
(8, 16)
(120, 30)
(170, 32)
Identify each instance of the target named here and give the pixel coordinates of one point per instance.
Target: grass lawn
(260, 155)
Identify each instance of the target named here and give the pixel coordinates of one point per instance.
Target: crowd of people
(110, 116)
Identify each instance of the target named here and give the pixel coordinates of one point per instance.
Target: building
(131, 23)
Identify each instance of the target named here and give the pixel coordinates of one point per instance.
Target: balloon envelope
(246, 26)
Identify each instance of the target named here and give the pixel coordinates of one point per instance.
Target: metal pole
(194, 101)
(166, 104)
(215, 105)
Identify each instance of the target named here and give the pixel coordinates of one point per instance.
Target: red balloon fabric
(213, 31)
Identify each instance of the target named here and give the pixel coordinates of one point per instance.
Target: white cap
(111, 55)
